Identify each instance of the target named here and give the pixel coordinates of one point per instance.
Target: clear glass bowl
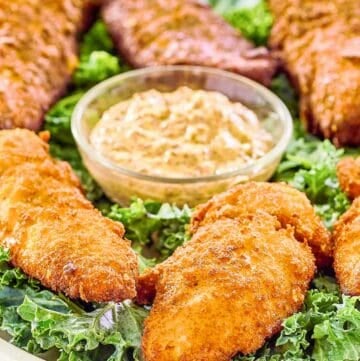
(121, 184)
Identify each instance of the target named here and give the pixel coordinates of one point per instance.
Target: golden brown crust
(240, 276)
(348, 172)
(318, 42)
(288, 205)
(347, 250)
(187, 32)
(246, 268)
(37, 56)
(347, 230)
(53, 232)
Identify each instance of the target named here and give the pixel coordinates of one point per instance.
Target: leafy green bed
(328, 326)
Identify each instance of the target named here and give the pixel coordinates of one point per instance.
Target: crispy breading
(319, 43)
(53, 232)
(347, 250)
(185, 32)
(38, 50)
(347, 230)
(348, 172)
(287, 204)
(240, 276)
(246, 268)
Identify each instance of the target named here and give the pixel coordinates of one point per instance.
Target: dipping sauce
(179, 134)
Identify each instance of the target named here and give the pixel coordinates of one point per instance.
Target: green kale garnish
(97, 59)
(160, 228)
(39, 320)
(252, 18)
(310, 166)
(254, 23)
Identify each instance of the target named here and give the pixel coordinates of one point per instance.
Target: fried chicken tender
(227, 290)
(287, 204)
(53, 232)
(347, 230)
(38, 53)
(348, 172)
(319, 44)
(185, 32)
(347, 250)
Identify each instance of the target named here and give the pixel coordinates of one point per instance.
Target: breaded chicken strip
(319, 43)
(38, 48)
(347, 230)
(185, 32)
(347, 250)
(54, 234)
(288, 205)
(229, 288)
(226, 291)
(348, 172)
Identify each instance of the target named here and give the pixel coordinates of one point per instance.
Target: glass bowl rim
(100, 89)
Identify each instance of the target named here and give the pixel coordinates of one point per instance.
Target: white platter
(9, 352)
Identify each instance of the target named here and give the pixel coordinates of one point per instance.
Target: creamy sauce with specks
(184, 133)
